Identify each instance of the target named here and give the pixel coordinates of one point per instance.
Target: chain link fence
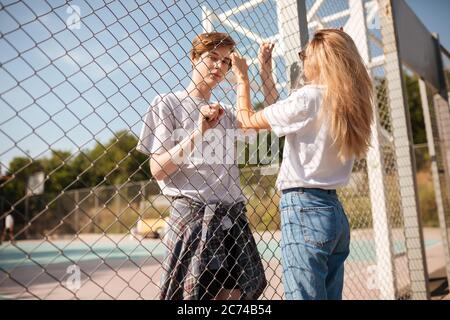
(77, 80)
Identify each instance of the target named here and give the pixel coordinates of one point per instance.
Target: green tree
(415, 108)
(59, 171)
(20, 168)
(115, 162)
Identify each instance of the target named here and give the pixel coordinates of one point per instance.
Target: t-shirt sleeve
(291, 114)
(156, 132)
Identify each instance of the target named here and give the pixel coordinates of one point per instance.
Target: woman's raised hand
(265, 56)
(240, 66)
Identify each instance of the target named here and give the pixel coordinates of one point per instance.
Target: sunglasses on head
(302, 55)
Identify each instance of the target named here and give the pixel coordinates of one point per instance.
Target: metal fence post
(442, 114)
(415, 249)
(442, 110)
(437, 167)
(357, 28)
(293, 28)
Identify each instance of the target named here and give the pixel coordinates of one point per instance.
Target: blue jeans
(314, 245)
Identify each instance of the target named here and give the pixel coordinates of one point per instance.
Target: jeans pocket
(318, 225)
(290, 226)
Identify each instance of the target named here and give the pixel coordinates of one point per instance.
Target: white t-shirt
(9, 222)
(309, 159)
(198, 179)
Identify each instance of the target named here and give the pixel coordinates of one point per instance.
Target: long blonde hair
(336, 63)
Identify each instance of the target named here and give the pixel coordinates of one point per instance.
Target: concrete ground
(121, 267)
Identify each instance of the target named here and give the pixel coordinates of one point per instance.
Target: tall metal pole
(404, 152)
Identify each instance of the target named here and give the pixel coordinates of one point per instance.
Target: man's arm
(163, 165)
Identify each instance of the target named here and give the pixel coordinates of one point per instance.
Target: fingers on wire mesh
(266, 49)
(212, 111)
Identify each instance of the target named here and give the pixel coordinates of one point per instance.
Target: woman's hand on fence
(240, 67)
(265, 56)
(268, 84)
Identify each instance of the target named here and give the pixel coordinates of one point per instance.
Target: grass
(427, 199)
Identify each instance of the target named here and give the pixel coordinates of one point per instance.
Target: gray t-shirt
(170, 118)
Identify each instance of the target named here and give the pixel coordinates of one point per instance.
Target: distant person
(9, 228)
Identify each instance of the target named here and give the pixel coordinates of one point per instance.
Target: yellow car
(152, 228)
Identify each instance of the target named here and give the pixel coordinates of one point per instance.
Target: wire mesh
(77, 80)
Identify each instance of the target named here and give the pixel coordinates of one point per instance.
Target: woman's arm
(269, 88)
(268, 84)
(247, 117)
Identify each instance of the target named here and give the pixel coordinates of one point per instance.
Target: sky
(67, 88)
(435, 14)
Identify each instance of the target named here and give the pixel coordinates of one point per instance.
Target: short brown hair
(206, 42)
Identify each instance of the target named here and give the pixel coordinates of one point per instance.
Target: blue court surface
(35, 253)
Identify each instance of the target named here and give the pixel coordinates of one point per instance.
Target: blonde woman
(327, 125)
(211, 251)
